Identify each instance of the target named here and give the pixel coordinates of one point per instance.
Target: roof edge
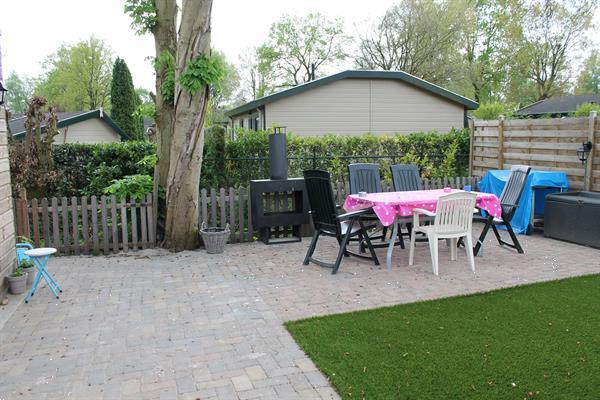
(359, 74)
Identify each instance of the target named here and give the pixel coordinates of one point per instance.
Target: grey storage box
(574, 217)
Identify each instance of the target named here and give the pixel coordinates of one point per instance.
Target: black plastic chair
(509, 201)
(328, 223)
(406, 177)
(364, 177)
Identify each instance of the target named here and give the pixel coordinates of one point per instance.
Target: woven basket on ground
(214, 238)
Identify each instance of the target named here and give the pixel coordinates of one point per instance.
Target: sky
(33, 29)
(236, 26)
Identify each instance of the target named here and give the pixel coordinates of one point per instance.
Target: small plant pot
(17, 284)
(30, 275)
(214, 238)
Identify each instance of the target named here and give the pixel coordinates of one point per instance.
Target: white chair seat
(453, 219)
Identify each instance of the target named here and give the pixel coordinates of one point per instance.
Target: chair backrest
(21, 249)
(321, 200)
(364, 178)
(406, 177)
(454, 212)
(509, 198)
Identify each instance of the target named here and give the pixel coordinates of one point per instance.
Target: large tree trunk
(181, 231)
(165, 40)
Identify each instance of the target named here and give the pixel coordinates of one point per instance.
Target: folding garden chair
(453, 219)
(365, 177)
(509, 200)
(328, 223)
(406, 177)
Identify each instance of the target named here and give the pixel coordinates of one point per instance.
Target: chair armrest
(353, 214)
(423, 211)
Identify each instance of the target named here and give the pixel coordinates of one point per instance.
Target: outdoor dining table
(393, 207)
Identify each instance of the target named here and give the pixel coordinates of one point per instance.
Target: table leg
(35, 282)
(391, 244)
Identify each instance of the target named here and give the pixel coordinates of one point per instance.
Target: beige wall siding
(91, 131)
(7, 224)
(357, 106)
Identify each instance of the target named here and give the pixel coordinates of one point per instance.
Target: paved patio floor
(154, 324)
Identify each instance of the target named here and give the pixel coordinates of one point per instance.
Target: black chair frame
(327, 222)
(509, 201)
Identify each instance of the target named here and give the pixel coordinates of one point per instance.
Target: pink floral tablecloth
(388, 205)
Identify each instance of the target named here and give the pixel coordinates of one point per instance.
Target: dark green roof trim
(398, 75)
(83, 117)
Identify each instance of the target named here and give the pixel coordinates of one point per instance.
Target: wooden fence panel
(545, 144)
(73, 227)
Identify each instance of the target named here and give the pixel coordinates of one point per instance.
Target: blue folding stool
(40, 258)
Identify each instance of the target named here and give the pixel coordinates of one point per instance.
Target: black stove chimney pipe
(278, 166)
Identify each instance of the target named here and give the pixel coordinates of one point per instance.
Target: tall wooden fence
(88, 225)
(104, 225)
(545, 144)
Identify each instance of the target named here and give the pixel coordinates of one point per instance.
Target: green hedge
(89, 168)
(438, 155)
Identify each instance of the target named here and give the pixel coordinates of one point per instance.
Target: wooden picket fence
(104, 225)
(88, 225)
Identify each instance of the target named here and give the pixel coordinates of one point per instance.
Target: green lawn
(538, 341)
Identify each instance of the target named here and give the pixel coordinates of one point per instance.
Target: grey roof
(17, 125)
(558, 105)
(148, 123)
(360, 74)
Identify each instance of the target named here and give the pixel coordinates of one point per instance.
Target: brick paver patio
(154, 324)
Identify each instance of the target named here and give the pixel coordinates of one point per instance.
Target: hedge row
(89, 168)
(235, 162)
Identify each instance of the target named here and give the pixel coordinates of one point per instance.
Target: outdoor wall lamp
(3, 91)
(584, 151)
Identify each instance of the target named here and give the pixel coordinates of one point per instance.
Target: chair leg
(369, 244)
(469, 250)
(384, 233)
(484, 232)
(513, 237)
(497, 234)
(433, 248)
(400, 238)
(453, 249)
(342, 251)
(411, 253)
(312, 247)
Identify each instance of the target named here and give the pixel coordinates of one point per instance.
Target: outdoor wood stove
(279, 205)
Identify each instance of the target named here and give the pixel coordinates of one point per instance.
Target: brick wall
(7, 225)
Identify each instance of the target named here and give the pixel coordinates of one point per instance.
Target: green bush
(493, 110)
(584, 109)
(90, 168)
(246, 157)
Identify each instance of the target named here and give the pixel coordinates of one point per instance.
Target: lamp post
(583, 153)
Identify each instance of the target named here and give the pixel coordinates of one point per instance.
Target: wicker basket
(214, 238)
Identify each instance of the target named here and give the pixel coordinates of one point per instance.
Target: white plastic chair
(453, 219)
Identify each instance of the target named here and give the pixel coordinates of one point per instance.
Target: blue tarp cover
(494, 181)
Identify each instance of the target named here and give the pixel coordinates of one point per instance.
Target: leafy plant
(584, 109)
(17, 272)
(167, 61)
(142, 14)
(25, 264)
(492, 110)
(202, 71)
(131, 186)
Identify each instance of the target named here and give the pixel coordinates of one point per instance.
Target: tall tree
(77, 77)
(297, 44)
(20, 90)
(589, 77)
(420, 37)
(554, 29)
(185, 71)
(225, 93)
(124, 100)
(254, 76)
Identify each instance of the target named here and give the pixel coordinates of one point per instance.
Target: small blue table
(40, 259)
(542, 182)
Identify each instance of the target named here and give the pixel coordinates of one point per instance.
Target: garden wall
(7, 225)
(545, 144)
